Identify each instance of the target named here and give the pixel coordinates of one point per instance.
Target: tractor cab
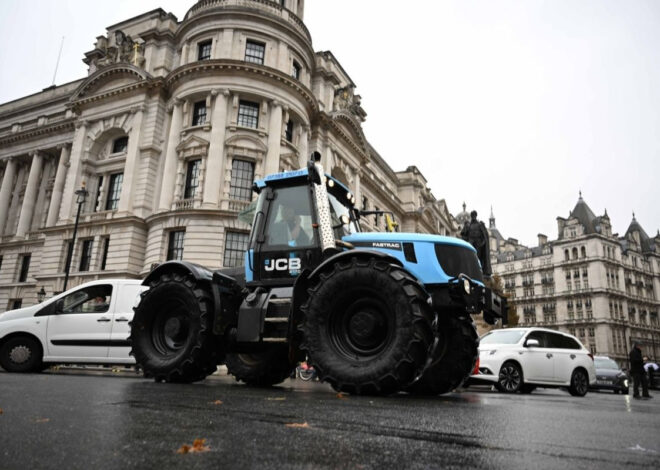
(291, 220)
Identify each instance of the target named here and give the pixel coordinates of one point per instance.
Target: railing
(184, 204)
(274, 8)
(237, 205)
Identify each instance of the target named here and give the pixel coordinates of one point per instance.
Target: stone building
(589, 282)
(167, 132)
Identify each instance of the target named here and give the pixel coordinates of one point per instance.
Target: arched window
(583, 252)
(566, 255)
(574, 252)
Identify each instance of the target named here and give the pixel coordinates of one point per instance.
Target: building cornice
(62, 126)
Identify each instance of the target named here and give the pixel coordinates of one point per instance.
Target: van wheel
(510, 379)
(21, 354)
(579, 383)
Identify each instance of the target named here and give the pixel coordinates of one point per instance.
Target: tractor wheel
(453, 359)
(261, 369)
(22, 354)
(171, 332)
(367, 327)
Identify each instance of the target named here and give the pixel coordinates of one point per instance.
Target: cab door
(538, 363)
(79, 330)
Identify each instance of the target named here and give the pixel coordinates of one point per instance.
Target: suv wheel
(579, 383)
(510, 379)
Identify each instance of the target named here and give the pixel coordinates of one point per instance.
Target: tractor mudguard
(353, 254)
(200, 273)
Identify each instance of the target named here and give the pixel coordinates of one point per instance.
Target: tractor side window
(290, 218)
(337, 209)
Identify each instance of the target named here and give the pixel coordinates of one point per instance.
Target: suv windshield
(502, 337)
(602, 363)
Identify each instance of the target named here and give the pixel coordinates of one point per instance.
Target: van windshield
(502, 337)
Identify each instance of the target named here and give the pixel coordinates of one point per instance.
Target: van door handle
(572, 356)
(549, 355)
(121, 319)
(103, 319)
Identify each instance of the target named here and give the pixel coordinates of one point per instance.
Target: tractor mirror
(313, 172)
(345, 220)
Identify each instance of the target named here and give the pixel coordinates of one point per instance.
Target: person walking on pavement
(637, 371)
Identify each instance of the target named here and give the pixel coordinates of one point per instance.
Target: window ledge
(201, 127)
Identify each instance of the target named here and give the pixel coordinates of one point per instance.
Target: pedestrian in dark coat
(637, 372)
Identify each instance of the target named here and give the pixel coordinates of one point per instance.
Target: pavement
(72, 418)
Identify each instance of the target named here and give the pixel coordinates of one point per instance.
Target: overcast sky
(518, 105)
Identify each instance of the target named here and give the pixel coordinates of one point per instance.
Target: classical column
(30, 198)
(58, 188)
(274, 139)
(303, 147)
(216, 154)
(5, 191)
(169, 170)
(128, 183)
(72, 183)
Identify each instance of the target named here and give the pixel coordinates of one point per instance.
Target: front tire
(579, 383)
(367, 327)
(454, 357)
(171, 332)
(262, 369)
(22, 354)
(510, 379)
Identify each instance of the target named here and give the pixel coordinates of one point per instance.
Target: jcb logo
(283, 264)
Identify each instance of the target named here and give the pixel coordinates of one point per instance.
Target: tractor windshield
(337, 209)
(289, 220)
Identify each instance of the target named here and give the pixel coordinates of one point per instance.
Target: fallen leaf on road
(342, 396)
(198, 446)
(275, 398)
(217, 402)
(297, 425)
(42, 420)
(0, 411)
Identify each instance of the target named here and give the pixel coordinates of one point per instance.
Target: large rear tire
(453, 359)
(171, 332)
(262, 369)
(367, 327)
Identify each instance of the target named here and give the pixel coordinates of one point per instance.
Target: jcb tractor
(373, 313)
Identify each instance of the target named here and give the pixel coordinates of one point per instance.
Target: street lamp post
(81, 197)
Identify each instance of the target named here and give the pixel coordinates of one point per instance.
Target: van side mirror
(58, 307)
(532, 343)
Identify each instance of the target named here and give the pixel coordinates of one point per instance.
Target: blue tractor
(374, 313)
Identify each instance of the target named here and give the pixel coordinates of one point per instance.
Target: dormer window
(120, 145)
(204, 50)
(255, 52)
(199, 113)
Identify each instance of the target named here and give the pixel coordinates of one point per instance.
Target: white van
(86, 324)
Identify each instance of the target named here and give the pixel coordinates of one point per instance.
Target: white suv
(520, 359)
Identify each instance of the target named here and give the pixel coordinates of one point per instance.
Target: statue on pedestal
(475, 233)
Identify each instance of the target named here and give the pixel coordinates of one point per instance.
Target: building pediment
(193, 145)
(349, 127)
(246, 141)
(111, 79)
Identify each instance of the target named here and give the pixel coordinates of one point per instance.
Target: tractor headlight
(331, 183)
(466, 286)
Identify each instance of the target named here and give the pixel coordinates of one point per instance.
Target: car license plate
(603, 382)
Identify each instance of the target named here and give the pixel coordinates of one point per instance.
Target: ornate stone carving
(347, 100)
(123, 50)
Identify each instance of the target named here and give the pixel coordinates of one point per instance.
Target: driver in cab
(288, 231)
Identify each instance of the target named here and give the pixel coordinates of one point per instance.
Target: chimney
(561, 223)
(543, 239)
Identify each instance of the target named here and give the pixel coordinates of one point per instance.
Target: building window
(242, 177)
(114, 191)
(365, 203)
(235, 245)
(175, 245)
(86, 255)
(192, 179)
(15, 304)
(248, 114)
(296, 70)
(106, 248)
(288, 133)
(25, 267)
(254, 52)
(204, 50)
(120, 145)
(199, 113)
(0, 262)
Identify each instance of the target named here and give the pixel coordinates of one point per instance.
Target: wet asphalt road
(109, 421)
